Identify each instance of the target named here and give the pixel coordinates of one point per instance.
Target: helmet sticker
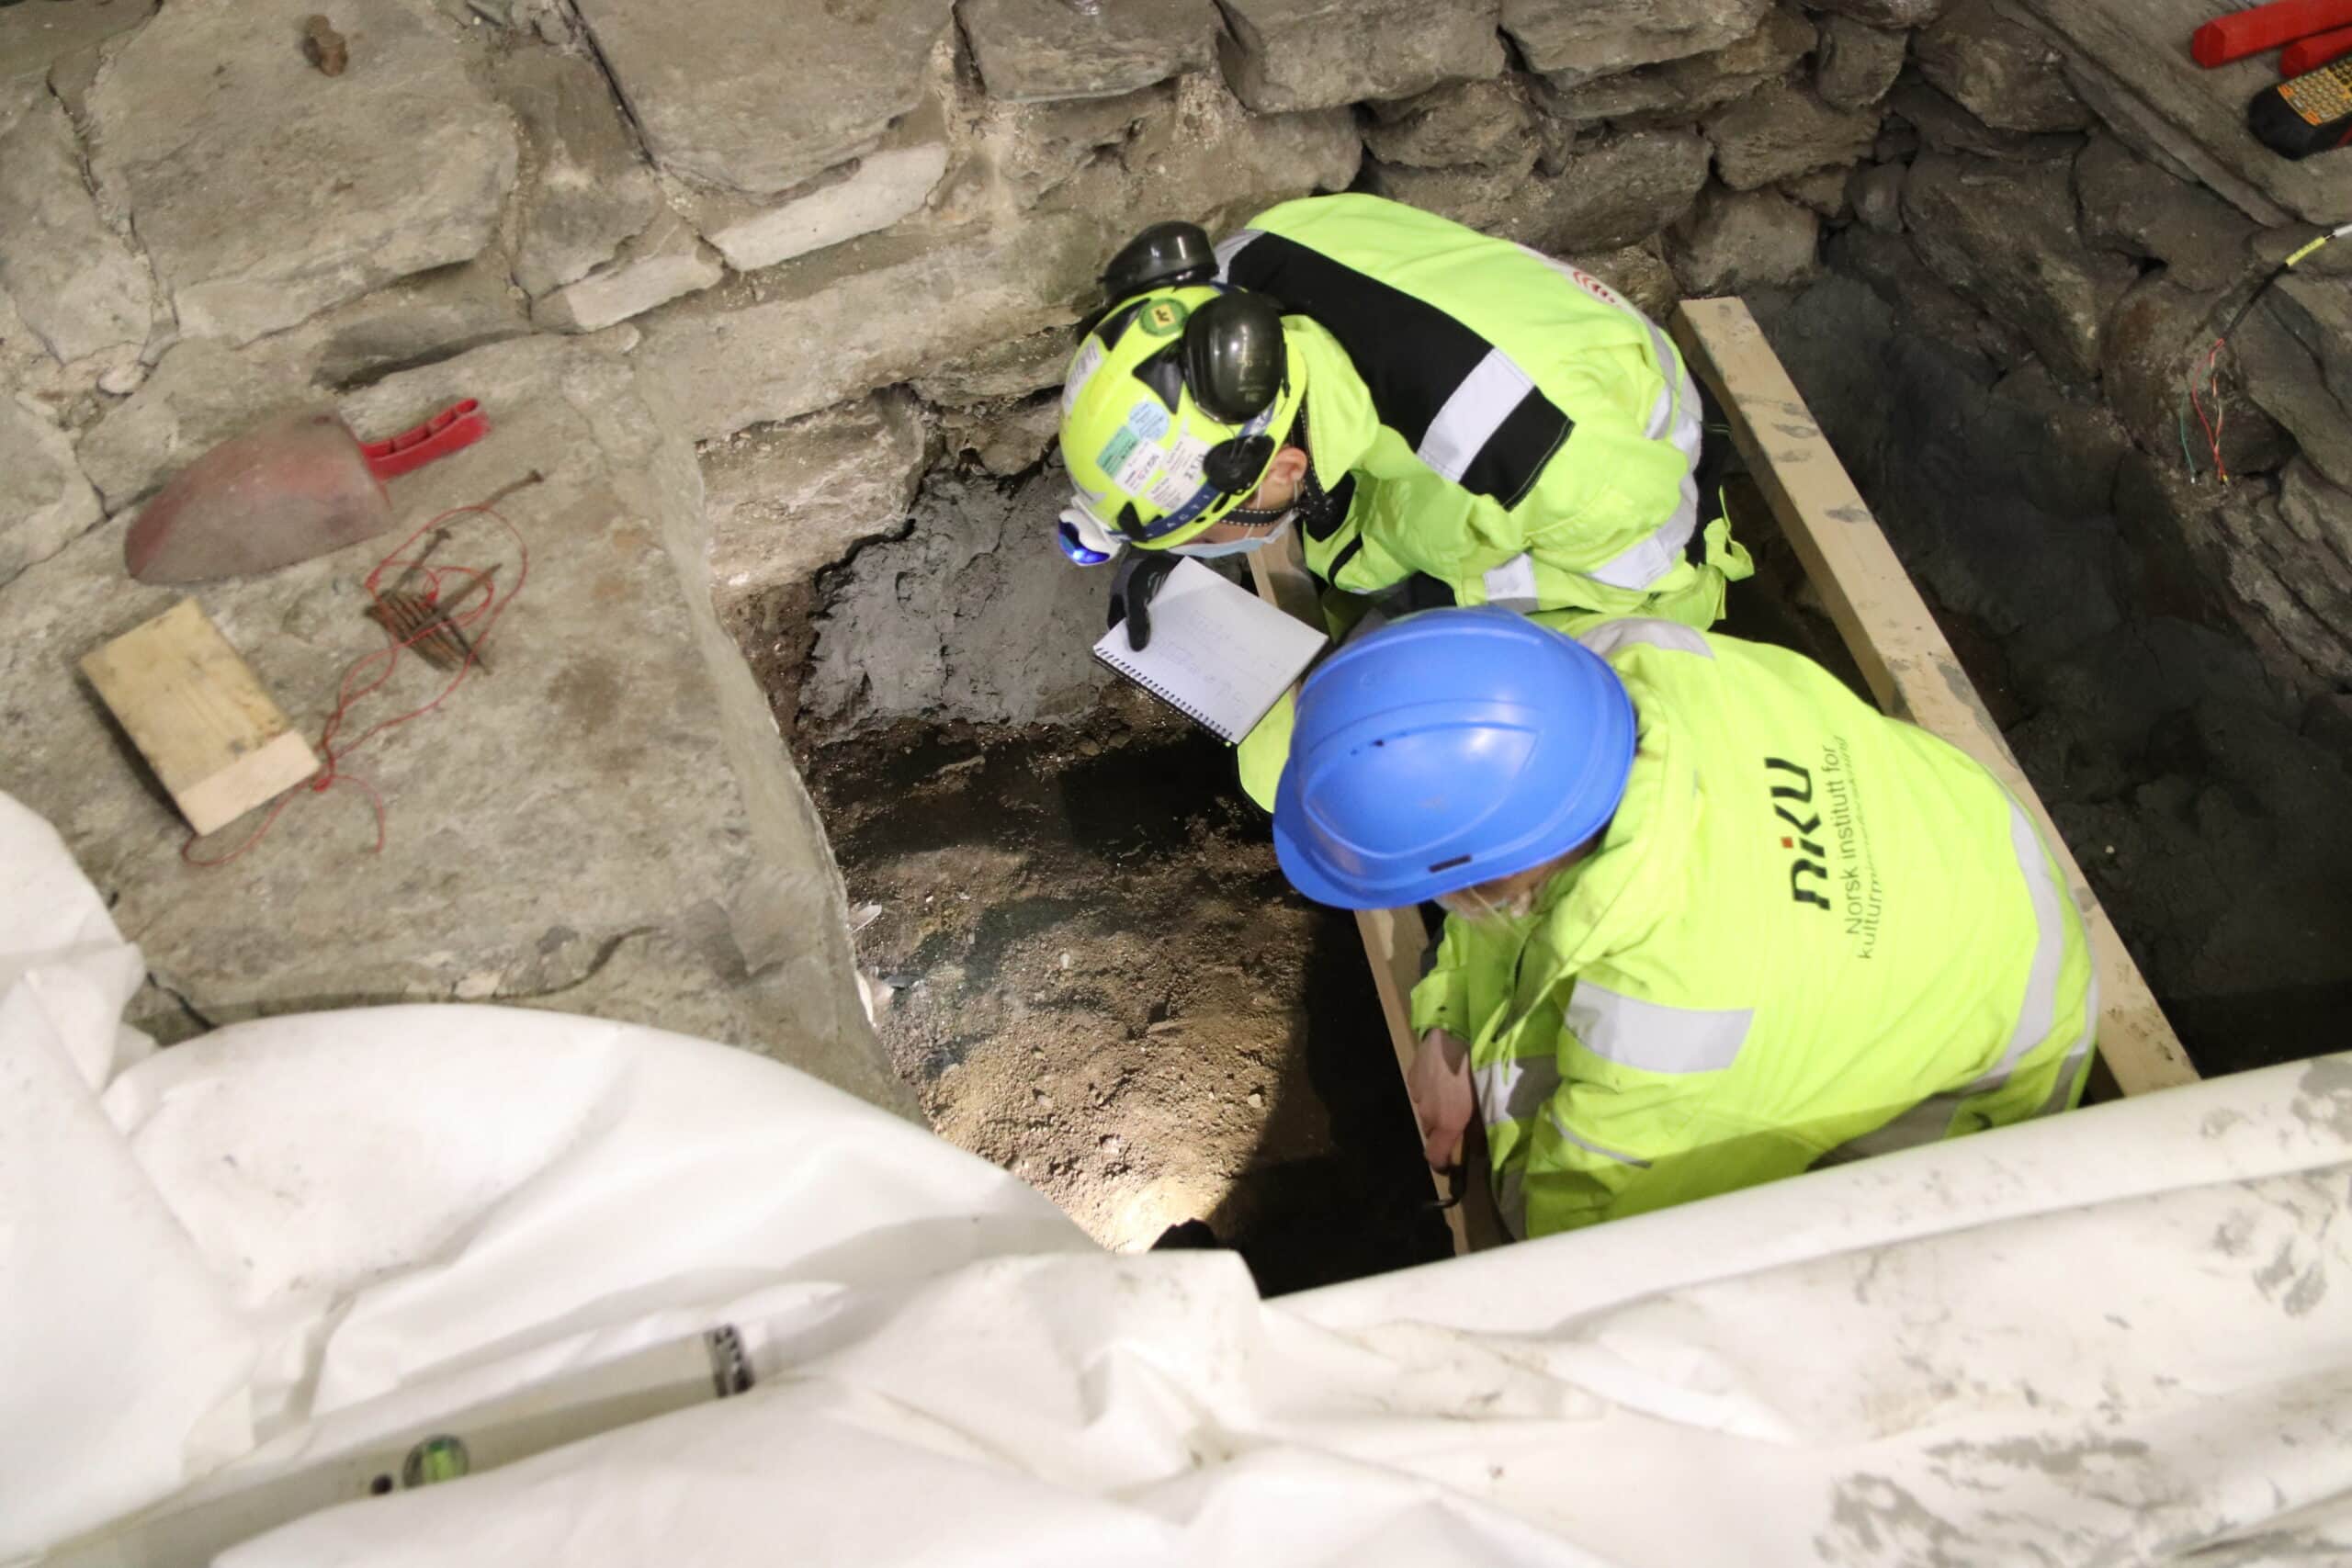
(1114, 451)
(1081, 370)
(1169, 493)
(1148, 420)
(1137, 471)
(1162, 318)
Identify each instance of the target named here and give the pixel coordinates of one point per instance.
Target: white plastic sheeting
(282, 1252)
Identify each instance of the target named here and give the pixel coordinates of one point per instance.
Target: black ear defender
(1233, 356)
(1166, 255)
(1234, 466)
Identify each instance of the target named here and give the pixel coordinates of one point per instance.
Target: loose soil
(1101, 981)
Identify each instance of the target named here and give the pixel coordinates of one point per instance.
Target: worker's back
(1808, 924)
(1526, 437)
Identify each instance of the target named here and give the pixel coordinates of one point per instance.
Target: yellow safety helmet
(1173, 406)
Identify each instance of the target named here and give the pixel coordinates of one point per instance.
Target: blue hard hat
(1446, 749)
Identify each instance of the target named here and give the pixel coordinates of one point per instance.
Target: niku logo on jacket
(1831, 867)
(1811, 857)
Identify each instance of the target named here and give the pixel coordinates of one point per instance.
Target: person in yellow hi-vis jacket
(1712, 920)
(1450, 419)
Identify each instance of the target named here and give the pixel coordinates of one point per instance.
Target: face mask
(1474, 905)
(1235, 547)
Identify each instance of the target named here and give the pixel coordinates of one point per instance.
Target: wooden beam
(1394, 941)
(1909, 666)
(218, 743)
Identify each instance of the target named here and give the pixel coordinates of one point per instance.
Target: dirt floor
(1102, 982)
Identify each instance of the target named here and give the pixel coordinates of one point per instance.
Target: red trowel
(291, 487)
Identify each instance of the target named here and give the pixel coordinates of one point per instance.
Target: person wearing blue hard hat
(1712, 920)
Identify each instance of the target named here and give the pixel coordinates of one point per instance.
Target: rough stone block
(1032, 51)
(1611, 192)
(1781, 131)
(1884, 13)
(2132, 206)
(2010, 75)
(1823, 193)
(2286, 378)
(2318, 311)
(75, 282)
(508, 873)
(756, 96)
(1741, 240)
(1875, 192)
(787, 501)
(432, 315)
(34, 38)
(2004, 235)
(1482, 125)
(1576, 39)
(1944, 126)
(2149, 347)
(1855, 64)
(1283, 55)
(835, 325)
(1894, 272)
(202, 392)
(1006, 439)
(1011, 368)
(586, 189)
(665, 263)
(265, 191)
(1639, 274)
(2319, 512)
(974, 615)
(1681, 91)
(45, 504)
(860, 197)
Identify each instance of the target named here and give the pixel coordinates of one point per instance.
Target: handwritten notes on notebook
(1217, 652)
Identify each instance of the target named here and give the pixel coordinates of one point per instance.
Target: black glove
(1137, 578)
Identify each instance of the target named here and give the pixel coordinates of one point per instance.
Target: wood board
(1903, 657)
(218, 743)
(1394, 943)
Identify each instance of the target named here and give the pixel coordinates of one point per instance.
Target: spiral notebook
(1218, 653)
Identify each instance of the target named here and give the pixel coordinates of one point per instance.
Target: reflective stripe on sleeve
(2038, 1013)
(1232, 245)
(1513, 584)
(2078, 1055)
(1473, 414)
(1589, 1146)
(1651, 1037)
(1649, 560)
(1610, 636)
(1515, 1088)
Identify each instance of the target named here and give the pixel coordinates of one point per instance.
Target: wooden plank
(218, 743)
(1910, 668)
(1394, 942)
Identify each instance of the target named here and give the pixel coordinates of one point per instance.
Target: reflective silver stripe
(1591, 1147)
(1232, 245)
(1515, 1088)
(1513, 584)
(1510, 1199)
(1652, 1037)
(1643, 563)
(2078, 1055)
(1925, 1123)
(2038, 1013)
(1471, 415)
(1610, 636)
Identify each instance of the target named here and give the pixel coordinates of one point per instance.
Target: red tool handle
(2311, 54)
(2242, 33)
(459, 424)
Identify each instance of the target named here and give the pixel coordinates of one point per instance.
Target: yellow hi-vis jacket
(1810, 932)
(1495, 427)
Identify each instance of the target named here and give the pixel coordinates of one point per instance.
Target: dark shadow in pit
(1294, 1237)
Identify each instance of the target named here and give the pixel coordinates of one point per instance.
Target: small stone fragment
(323, 47)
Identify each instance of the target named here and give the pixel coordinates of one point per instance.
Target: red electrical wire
(477, 621)
(2213, 389)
